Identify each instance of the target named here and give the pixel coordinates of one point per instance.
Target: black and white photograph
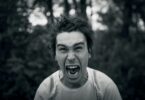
(72, 49)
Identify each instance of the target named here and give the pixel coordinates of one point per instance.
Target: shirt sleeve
(46, 90)
(105, 87)
(111, 92)
(40, 93)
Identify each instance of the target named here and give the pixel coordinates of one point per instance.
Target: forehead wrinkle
(70, 39)
(73, 45)
(60, 45)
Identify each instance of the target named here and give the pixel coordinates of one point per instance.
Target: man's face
(72, 56)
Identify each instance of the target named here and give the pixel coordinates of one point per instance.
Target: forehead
(70, 38)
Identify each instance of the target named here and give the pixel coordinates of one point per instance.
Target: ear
(55, 58)
(89, 55)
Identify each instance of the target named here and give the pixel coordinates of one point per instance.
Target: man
(72, 45)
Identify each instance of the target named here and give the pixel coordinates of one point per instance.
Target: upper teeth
(72, 67)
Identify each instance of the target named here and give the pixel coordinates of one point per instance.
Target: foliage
(123, 61)
(120, 50)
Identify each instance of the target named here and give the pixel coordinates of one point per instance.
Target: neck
(72, 84)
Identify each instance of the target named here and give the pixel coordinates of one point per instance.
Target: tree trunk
(142, 12)
(83, 8)
(66, 8)
(76, 7)
(127, 12)
(50, 5)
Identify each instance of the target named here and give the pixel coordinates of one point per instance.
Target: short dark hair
(69, 24)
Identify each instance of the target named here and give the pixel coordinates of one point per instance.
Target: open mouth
(73, 71)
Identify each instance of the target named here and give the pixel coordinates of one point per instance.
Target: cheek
(60, 59)
(84, 59)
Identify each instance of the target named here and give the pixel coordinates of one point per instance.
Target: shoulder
(50, 80)
(104, 84)
(99, 77)
(47, 88)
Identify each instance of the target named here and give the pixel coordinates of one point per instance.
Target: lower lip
(73, 76)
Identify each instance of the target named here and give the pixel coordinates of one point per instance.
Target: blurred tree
(12, 45)
(119, 50)
(80, 8)
(48, 7)
(83, 6)
(129, 10)
(5, 12)
(66, 7)
(76, 6)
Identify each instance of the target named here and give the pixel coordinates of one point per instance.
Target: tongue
(73, 73)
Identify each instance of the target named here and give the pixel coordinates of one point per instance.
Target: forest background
(25, 56)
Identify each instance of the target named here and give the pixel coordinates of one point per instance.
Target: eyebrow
(79, 43)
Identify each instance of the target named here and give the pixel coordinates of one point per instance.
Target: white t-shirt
(98, 87)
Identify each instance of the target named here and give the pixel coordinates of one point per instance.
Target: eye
(78, 49)
(62, 49)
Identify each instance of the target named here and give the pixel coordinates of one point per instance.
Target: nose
(71, 56)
